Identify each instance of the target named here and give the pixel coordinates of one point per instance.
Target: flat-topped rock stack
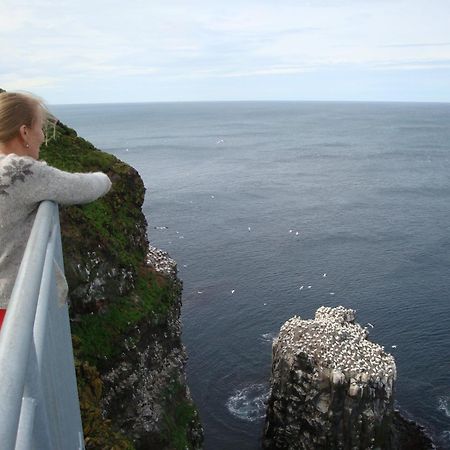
(331, 388)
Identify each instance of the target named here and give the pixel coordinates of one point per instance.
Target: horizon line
(248, 101)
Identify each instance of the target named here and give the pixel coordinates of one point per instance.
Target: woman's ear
(23, 131)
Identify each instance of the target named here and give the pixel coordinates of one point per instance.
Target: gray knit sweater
(24, 183)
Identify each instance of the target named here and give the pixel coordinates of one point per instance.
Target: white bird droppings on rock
(318, 366)
(161, 262)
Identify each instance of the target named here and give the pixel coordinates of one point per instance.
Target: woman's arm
(44, 182)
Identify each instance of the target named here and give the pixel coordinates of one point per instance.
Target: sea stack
(330, 387)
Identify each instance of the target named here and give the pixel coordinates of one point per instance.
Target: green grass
(180, 414)
(101, 337)
(113, 234)
(116, 219)
(115, 229)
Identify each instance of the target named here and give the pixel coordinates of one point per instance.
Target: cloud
(415, 45)
(16, 82)
(443, 64)
(265, 71)
(103, 42)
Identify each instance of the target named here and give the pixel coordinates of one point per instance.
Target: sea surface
(256, 199)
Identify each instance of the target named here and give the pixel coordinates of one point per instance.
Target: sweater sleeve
(65, 188)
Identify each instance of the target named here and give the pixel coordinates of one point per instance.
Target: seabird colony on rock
(339, 346)
(161, 261)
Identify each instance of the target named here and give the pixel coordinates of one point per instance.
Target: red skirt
(2, 316)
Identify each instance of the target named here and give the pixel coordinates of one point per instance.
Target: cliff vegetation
(124, 313)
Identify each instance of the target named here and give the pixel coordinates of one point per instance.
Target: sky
(106, 51)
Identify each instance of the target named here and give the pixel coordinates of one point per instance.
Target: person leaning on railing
(25, 181)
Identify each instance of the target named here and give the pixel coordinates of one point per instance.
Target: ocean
(256, 199)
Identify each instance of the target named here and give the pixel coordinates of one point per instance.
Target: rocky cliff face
(125, 301)
(333, 388)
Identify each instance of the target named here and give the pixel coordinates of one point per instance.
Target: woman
(25, 182)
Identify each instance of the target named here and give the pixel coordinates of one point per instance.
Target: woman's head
(23, 118)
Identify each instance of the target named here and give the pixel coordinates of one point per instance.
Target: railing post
(36, 357)
(17, 329)
(25, 430)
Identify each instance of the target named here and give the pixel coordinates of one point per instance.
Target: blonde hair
(17, 109)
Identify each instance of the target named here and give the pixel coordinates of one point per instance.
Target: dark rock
(331, 388)
(125, 302)
(409, 435)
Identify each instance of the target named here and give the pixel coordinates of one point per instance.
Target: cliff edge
(125, 301)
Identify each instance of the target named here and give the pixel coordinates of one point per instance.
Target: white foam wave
(445, 436)
(444, 405)
(249, 403)
(269, 337)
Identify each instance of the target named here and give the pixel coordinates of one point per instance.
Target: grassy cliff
(124, 313)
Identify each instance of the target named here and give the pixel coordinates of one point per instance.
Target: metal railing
(39, 407)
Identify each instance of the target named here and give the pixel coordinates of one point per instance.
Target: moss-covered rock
(105, 242)
(124, 312)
